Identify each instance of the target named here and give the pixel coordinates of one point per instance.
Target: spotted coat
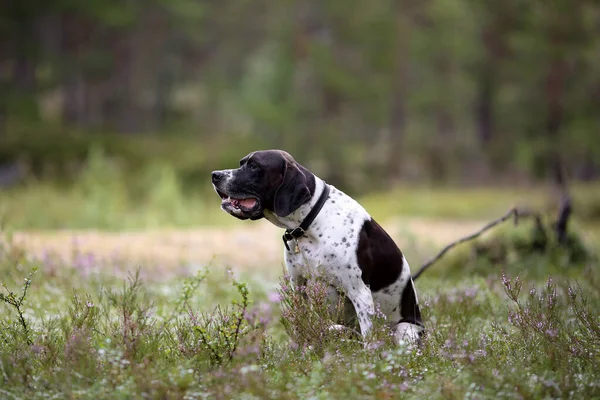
(343, 243)
(330, 247)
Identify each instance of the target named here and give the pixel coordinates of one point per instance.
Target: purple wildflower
(274, 297)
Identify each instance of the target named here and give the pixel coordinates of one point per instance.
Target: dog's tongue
(247, 203)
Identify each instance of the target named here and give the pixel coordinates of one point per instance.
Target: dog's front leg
(362, 300)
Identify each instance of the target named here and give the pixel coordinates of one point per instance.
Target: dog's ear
(293, 191)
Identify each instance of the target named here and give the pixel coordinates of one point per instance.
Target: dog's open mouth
(244, 204)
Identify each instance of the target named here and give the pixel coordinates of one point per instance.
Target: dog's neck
(296, 217)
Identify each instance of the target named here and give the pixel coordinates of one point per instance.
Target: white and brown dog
(329, 233)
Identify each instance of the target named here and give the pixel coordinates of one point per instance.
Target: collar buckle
(294, 233)
(291, 234)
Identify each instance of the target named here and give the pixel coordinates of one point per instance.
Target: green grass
(123, 188)
(477, 202)
(86, 330)
(105, 197)
(111, 182)
(46, 206)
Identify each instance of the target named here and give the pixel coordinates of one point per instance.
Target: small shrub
(136, 327)
(83, 314)
(14, 301)
(558, 321)
(190, 285)
(531, 248)
(307, 315)
(217, 334)
(485, 339)
(312, 321)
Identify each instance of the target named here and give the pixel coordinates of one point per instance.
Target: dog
(329, 232)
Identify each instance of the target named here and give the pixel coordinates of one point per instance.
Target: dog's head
(266, 180)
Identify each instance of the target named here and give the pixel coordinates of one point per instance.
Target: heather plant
(188, 289)
(312, 321)
(208, 335)
(15, 302)
(134, 329)
(217, 333)
(558, 321)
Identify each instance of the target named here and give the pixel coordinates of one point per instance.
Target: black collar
(297, 233)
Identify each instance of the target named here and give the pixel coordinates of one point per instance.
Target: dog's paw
(337, 328)
(408, 334)
(343, 331)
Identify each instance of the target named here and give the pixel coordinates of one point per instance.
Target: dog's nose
(217, 176)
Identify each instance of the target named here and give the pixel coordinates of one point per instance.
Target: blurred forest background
(368, 94)
(436, 115)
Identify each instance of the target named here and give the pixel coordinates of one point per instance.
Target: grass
(45, 206)
(104, 198)
(126, 193)
(107, 197)
(97, 327)
(88, 329)
(477, 202)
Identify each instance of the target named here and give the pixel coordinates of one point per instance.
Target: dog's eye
(252, 166)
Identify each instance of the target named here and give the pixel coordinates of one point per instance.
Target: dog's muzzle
(238, 205)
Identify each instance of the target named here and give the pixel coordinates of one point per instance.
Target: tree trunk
(555, 85)
(4, 95)
(25, 47)
(398, 117)
(24, 73)
(444, 123)
(484, 106)
(127, 118)
(2, 119)
(444, 119)
(73, 82)
(74, 98)
(588, 168)
(166, 78)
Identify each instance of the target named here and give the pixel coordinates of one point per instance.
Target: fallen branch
(560, 227)
(511, 213)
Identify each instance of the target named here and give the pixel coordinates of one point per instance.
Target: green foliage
(49, 152)
(105, 192)
(313, 323)
(11, 300)
(135, 331)
(308, 318)
(97, 336)
(541, 317)
(190, 285)
(106, 195)
(444, 90)
(218, 333)
(530, 248)
(476, 202)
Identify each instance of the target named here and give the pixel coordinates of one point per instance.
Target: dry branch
(560, 227)
(566, 204)
(512, 212)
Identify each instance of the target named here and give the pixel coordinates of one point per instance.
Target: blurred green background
(113, 113)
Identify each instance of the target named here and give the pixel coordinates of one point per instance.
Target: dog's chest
(330, 245)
